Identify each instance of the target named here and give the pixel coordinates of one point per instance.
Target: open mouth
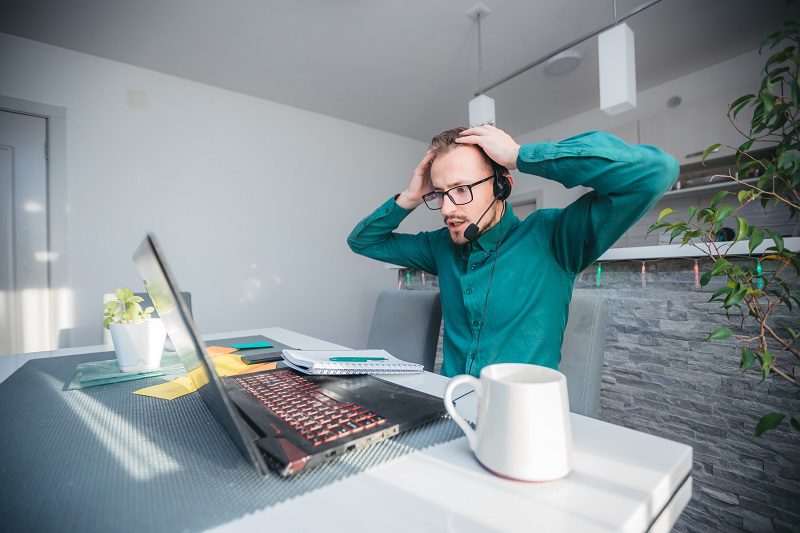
(455, 224)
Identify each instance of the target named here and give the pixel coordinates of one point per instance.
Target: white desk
(623, 480)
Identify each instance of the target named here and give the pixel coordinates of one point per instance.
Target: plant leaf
(717, 197)
(766, 363)
(675, 232)
(743, 228)
(743, 195)
(756, 238)
(720, 265)
(713, 147)
(778, 240)
(723, 213)
(720, 334)
(664, 213)
(748, 358)
(745, 146)
(719, 292)
(767, 422)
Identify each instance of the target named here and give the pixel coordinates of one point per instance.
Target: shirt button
(475, 323)
(474, 266)
(469, 290)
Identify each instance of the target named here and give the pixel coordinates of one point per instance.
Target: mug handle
(463, 379)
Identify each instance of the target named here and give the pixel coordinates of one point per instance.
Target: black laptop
(283, 419)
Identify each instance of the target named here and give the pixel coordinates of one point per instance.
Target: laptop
(282, 419)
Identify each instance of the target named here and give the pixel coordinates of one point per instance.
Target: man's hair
(446, 141)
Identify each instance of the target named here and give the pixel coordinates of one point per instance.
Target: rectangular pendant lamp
(617, 69)
(481, 110)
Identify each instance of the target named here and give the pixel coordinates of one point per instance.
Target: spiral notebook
(319, 362)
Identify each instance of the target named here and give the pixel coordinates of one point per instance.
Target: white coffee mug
(523, 430)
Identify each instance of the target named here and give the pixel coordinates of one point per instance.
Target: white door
(25, 319)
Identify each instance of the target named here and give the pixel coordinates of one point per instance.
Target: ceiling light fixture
(572, 44)
(563, 63)
(481, 108)
(617, 61)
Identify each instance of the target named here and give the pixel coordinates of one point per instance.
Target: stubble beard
(488, 220)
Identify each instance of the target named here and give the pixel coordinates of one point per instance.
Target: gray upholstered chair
(582, 352)
(406, 324)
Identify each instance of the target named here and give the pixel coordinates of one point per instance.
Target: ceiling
(407, 67)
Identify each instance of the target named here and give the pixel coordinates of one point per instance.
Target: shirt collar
(494, 236)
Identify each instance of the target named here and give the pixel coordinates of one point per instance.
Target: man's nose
(447, 205)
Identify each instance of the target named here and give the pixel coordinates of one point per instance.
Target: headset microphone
(472, 231)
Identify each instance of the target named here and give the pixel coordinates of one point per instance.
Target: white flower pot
(139, 346)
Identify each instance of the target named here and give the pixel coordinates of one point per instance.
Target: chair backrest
(187, 296)
(582, 353)
(406, 324)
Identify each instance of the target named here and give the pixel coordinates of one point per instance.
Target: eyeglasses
(459, 195)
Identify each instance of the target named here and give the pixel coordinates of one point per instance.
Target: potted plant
(757, 293)
(138, 338)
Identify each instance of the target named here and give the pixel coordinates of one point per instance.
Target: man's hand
(497, 144)
(419, 186)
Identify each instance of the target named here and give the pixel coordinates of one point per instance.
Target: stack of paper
(348, 362)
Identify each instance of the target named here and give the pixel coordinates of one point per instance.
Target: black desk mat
(104, 459)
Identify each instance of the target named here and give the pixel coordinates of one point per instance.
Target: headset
(501, 187)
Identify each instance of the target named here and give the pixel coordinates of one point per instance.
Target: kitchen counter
(677, 250)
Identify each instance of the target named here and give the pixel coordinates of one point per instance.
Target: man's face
(464, 165)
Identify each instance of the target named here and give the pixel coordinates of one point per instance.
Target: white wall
(697, 123)
(251, 199)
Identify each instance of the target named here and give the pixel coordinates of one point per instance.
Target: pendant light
(481, 108)
(617, 62)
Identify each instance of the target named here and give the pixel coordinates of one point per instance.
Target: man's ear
(510, 179)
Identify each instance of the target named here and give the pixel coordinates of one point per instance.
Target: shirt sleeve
(627, 181)
(374, 237)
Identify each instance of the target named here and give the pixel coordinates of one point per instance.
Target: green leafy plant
(754, 289)
(125, 309)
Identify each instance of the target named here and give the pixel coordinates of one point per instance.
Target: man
(505, 295)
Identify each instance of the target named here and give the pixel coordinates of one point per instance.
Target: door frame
(526, 197)
(57, 212)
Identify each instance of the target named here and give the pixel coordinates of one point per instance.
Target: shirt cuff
(392, 212)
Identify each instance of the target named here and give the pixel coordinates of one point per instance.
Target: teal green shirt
(527, 268)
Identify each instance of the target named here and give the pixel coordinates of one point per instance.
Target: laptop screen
(163, 290)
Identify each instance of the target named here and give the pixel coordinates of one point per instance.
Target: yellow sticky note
(229, 364)
(169, 390)
(214, 351)
(226, 365)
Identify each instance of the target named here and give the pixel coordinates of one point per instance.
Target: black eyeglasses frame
(439, 194)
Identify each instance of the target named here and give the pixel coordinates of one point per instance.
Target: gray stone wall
(661, 378)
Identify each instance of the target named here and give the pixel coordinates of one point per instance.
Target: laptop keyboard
(304, 405)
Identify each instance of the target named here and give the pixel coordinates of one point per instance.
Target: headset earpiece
(502, 185)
